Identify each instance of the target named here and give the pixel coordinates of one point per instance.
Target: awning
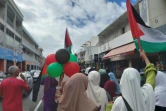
(123, 50)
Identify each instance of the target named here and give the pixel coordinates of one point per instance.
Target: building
(116, 47)
(12, 38)
(32, 53)
(86, 53)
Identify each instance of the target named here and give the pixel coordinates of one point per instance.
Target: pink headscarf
(74, 95)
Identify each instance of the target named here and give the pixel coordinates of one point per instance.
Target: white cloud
(47, 20)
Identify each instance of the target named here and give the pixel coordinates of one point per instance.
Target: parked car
(29, 80)
(36, 75)
(2, 76)
(32, 72)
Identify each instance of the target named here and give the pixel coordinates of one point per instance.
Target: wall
(28, 43)
(115, 33)
(116, 42)
(2, 12)
(90, 51)
(157, 12)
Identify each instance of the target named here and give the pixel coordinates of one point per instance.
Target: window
(1, 27)
(10, 33)
(17, 39)
(123, 30)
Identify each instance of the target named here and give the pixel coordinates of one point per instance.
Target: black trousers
(159, 108)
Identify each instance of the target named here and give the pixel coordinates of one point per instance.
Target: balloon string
(61, 79)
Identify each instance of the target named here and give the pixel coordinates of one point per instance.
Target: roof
(120, 50)
(29, 35)
(117, 23)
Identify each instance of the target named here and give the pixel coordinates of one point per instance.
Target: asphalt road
(28, 105)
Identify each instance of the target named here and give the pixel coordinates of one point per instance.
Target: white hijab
(87, 70)
(95, 92)
(160, 89)
(139, 99)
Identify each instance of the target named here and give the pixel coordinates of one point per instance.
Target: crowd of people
(94, 91)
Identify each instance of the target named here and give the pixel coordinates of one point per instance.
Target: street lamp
(90, 54)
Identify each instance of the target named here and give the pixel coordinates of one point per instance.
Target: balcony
(118, 41)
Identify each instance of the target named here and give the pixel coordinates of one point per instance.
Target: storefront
(7, 58)
(126, 56)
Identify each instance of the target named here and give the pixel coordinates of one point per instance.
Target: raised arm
(150, 70)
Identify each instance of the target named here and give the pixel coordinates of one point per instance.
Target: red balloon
(50, 59)
(71, 68)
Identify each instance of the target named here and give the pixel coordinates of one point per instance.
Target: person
(92, 69)
(87, 71)
(95, 92)
(110, 87)
(160, 92)
(49, 93)
(102, 71)
(112, 78)
(104, 77)
(134, 97)
(11, 90)
(74, 96)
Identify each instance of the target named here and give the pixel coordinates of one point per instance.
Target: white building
(89, 48)
(12, 39)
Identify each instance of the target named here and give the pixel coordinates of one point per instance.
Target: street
(28, 105)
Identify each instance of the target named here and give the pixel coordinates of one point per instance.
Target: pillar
(130, 63)
(3, 65)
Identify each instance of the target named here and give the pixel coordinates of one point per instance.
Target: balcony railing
(9, 47)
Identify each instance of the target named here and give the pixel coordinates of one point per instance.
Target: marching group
(93, 91)
(99, 91)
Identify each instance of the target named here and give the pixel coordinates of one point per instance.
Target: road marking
(38, 105)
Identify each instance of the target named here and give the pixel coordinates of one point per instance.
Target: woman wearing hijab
(160, 92)
(74, 96)
(112, 78)
(95, 92)
(49, 93)
(110, 87)
(87, 71)
(104, 77)
(135, 98)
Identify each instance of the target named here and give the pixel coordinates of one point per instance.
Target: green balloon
(73, 58)
(55, 70)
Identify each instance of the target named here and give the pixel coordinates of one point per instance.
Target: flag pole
(139, 44)
(140, 47)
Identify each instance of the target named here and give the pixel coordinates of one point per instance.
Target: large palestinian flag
(151, 40)
(68, 43)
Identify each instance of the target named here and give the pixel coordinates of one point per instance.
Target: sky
(47, 20)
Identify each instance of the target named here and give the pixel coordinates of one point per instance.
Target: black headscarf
(104, 78)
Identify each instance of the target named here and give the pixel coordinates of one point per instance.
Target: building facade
(12, 39)
(86, 53)
(116, 47)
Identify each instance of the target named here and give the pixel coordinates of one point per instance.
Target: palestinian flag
(151, 40)
(34, 93)
(44, 71)
(68, 43)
